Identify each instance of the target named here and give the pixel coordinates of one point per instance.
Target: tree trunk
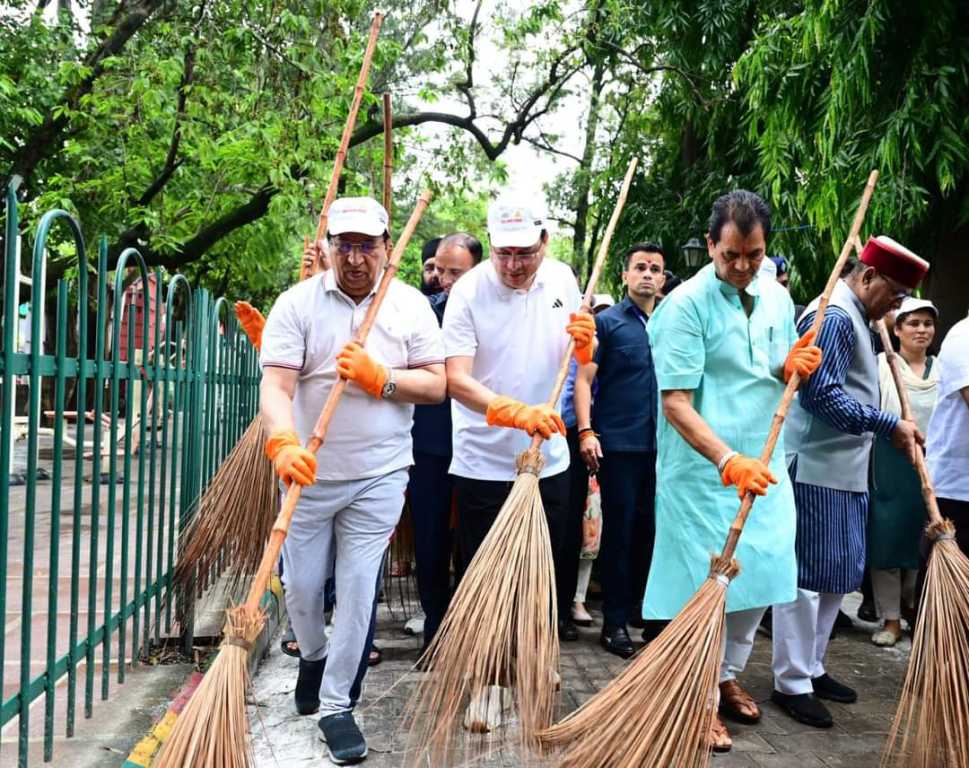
(948, 278)
(584, 173)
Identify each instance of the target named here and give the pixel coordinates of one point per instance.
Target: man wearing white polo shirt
(354, 485)
(506, 327)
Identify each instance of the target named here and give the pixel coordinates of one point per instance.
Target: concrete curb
(145, 750)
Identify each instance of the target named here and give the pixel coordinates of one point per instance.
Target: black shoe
(805, 708)
(867, 612)
(568, 631)
(826, 687)
(616, 640)
(344, 741)
(308, 686)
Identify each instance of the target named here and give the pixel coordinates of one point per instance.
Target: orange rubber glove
(748, 474)
(292, 461)
(354, 364)
(804, 357)
(582, 328)
(252, 322)
(508, 412)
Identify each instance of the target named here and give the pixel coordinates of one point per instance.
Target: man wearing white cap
(354, 485)
(828, 441)
(506, 327)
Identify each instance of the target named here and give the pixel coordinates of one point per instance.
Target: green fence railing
(116, 437)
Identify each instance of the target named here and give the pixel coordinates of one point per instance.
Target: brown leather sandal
(720, 740)
(737, 704)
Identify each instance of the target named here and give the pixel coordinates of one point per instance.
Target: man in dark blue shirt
(617, 439)
(429, 489)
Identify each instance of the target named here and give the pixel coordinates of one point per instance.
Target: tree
(206, 140)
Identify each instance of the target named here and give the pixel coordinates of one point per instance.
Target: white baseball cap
(515, 221)
(602, 300)
(362, 215)
(911, 304)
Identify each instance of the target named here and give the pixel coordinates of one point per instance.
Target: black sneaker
(826, 687)
(805, 708)
(616, 640)
(568, 631)
(308, 686)
(343, 739)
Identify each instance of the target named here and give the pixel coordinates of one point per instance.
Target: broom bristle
(212, 730)
(500, 629)
(660, 710)
(233, 517)
(931, 727)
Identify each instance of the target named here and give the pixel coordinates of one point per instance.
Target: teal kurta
(703, 341)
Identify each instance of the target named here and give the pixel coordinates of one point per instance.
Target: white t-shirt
(307, 327)
(947, 443)
(517, 339)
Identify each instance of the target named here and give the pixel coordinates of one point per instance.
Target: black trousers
(429, 491)
(478, 503)
(568, 571)
(958, 512)
(627, 482)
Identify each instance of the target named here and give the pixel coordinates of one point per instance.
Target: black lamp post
(694, 253)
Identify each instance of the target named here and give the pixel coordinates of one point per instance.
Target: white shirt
(307, 327)
(517, 339)
(947, 443)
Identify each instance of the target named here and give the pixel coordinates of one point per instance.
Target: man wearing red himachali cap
(828, 439)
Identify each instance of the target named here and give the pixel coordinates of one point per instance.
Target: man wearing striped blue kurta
(828, 441)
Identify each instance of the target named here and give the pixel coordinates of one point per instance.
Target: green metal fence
(88, 553)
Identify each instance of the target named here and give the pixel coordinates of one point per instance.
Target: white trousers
(801, 631)
(582, 583)
(893, 588)
(343, 526)
(738, 641)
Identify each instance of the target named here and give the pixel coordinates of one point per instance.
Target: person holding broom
(723, 344)
(429, 489)
(828, 438)
(506, 328)
(354, 485)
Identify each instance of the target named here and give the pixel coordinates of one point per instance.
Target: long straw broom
(212, 730)
(931, 726)
(237, 508)
(501, 627)
(660, 709)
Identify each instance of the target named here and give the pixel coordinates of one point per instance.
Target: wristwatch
(390, 386)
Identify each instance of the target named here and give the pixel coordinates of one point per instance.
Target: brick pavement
(284, 739)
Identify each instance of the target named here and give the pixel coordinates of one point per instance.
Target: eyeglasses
(515, 254)
(898, 294)
(345, 248)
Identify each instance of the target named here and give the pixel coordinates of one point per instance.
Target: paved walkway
(283, 739)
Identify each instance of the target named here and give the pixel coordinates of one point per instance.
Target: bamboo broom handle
(341, 153)
(778, 421)
(281, 526)
(388, 153)
(928, 490)
(589, 290)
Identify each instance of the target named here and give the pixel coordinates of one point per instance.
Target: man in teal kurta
(724, 343)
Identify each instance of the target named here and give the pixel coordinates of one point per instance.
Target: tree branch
(171, 160)
(258, 204)
(48, 137)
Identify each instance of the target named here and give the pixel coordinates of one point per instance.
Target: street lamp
(694, 253)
